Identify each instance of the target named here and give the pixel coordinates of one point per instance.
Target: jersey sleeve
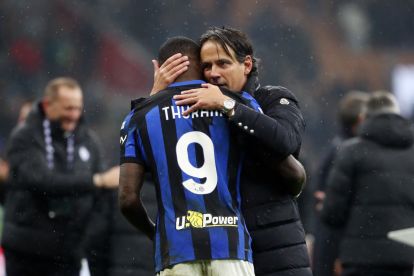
(131, 149)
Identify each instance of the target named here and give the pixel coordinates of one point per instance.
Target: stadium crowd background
(319, 49)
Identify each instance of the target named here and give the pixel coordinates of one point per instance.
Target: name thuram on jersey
(176, 112)
(199, 220)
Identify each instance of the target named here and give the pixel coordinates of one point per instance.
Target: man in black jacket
(326, 246)
(370, 192)
(55, 169)
(269, 204)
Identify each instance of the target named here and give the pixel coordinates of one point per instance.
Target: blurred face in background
(66, 107)
(222, 69)
(24, 111)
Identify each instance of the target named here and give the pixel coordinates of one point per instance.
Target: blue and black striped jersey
(196, 162)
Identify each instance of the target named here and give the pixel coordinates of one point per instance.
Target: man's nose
(215, 75)
(215, 71)
(214, 79)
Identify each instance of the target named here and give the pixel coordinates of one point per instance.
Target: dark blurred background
(319, 49)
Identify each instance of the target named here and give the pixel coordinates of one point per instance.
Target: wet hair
(351, 107)
(179, 44)
(234, 39)
(53, 86)
(382, 102)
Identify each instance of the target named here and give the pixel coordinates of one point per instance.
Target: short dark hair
(179, 44)
(235, 39)
(381, 102)
(351, 107)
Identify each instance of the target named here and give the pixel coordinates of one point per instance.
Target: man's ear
(45, 104)
(248, 64)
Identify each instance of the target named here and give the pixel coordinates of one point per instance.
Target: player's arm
(130, 183)
(293, 173)
(131, 177)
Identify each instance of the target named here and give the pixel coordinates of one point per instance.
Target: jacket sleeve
(29, 169)
(279, 128)
(339, 190)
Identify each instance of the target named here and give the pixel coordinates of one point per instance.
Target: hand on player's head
(166, 74)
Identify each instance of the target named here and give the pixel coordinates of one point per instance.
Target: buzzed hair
(382, 102)
(53, 86)
(351, 107)
(179, 44)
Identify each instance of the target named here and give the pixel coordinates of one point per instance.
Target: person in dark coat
(370, 192)
(4, 165)
(269, 204)
(55, 169)
(326, 245)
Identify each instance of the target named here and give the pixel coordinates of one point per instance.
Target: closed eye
(223, 62)
(205, 66)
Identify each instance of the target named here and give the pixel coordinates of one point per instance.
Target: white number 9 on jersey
(207, 170)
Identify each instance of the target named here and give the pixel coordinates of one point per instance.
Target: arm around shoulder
(280, 127)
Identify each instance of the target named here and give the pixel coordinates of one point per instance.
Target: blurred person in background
(4, 165)
(55, 172)
(370, 191)
(5, 170)
(326, 244)
(24, 111)
(4, 176)
(268, 198)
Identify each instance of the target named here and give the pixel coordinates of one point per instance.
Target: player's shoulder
(128, 119)
(145, 102)
(141, 105)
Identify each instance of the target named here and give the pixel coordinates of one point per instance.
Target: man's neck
(187, 76)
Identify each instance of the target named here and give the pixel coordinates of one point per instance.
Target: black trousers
(24, 264)
(326, 249)
(377, 271)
